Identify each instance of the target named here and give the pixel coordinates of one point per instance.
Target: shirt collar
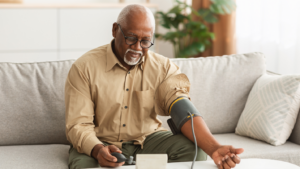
(112, 60)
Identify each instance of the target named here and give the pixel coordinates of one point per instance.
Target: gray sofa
(32, 123)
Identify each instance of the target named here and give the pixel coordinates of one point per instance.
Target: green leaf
(179, 18)
(195, 12)
(173, 35)
(212, 35)
(208, 15)
(216, 9)
(195, 26)
(175, 9)
(193, 49)
(166, 25)
(158, 35)
(159, 15)
(164, 20)
(222, 6)
(206, 42)
(203, 12)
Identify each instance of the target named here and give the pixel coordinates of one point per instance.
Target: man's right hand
(103, 155)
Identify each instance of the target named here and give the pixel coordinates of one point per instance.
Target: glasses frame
(126, 37)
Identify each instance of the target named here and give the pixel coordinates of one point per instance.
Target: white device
(151, 161)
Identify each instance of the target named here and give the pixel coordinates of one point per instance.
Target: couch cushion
(34, 156)
(289, 152)
(220, 86)
(32, 102)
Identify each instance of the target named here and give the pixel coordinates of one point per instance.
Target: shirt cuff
(90, 144)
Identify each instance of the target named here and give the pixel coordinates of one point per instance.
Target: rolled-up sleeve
(79, 112)
(175, 84)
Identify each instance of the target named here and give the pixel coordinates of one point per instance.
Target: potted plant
(189, 36)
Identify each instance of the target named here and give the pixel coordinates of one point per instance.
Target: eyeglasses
(130, 40)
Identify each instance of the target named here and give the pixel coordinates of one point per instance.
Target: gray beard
(128, 62)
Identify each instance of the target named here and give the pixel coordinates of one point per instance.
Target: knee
(185, 151)
(79, 160)
(201, 155)
(83, 163)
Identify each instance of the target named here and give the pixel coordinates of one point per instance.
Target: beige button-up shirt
(107, 102)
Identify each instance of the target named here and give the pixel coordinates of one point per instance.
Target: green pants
(178, 147)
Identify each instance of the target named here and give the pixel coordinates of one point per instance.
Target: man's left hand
(225, 157)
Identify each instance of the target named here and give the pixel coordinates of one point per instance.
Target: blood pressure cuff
(178, 110)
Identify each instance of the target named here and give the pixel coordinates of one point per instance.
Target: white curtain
(273, 28)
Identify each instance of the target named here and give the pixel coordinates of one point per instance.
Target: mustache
(134, 51)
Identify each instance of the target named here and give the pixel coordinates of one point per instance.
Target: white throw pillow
(271, 109)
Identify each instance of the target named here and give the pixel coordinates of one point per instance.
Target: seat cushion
(34, 156)
(289, 152)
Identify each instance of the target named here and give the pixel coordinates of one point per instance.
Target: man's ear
(114, 30)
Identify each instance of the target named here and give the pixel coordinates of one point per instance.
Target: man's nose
(137, 46)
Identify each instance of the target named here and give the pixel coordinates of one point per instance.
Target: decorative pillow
(271, 109)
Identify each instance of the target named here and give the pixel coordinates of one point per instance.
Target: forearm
(205, 139)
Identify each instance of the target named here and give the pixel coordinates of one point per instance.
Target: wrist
(96, 150)
(214, 148)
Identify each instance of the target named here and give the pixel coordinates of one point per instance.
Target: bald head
(133, 34)
(136, 12)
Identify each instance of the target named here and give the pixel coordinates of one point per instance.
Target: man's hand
(103, 155)
(225, 157)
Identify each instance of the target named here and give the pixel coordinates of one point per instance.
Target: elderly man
(114, 93)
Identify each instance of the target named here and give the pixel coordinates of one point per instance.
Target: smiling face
(138, 25)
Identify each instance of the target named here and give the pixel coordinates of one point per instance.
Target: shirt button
(124, 125)
(129, 72)
(125, 107)
(121, 140)
(127, 89)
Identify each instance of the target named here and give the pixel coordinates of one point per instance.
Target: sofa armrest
(295, 136)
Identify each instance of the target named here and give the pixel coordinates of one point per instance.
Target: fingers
(225, 165)
(105, 159)
(239, 151)
(218, 161)
(228, 156)
(104, 163)
(220, 165)
(105, 154)
(236, 150)
(235, 159)
(229, 161)
(114, 148)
